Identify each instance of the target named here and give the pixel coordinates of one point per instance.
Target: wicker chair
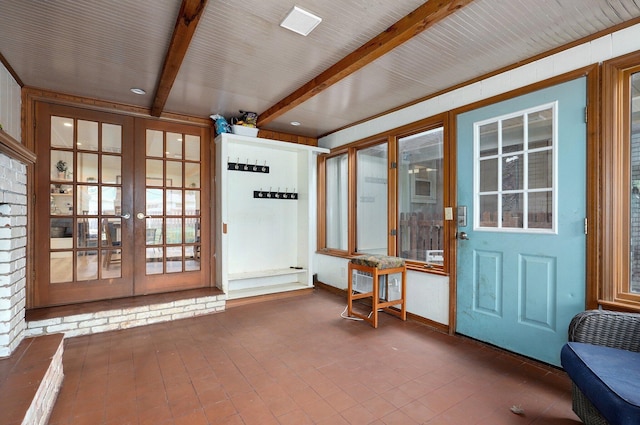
(608, 328)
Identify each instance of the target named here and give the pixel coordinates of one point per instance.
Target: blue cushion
(608, 377)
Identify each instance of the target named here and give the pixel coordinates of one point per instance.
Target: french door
(118, 206)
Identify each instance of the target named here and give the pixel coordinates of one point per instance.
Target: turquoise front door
(522, 251)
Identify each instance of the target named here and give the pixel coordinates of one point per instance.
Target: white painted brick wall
(125, 318)
(13, 242)
(42, 404)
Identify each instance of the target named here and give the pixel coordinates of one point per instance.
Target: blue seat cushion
(608, 377)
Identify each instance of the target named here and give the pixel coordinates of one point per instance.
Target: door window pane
(174, 174)
(111, 138)
(192, 174)
(516, 178)
(154, 172)
(337, 185)
(61, 132)
(371, 190)
(87, 135)
(192, 148)
(61, 165)
(87, 167)
(155, 143)
(420, 205)
(174, 146)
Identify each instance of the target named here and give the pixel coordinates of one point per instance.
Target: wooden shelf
(264, 273)
(264, 290)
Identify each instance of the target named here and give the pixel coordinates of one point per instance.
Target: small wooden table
(376, 266)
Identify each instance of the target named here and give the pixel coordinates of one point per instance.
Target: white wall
(426, 293)
(10, 102)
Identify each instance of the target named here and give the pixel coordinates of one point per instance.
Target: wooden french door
(170, 161)
(118, 206)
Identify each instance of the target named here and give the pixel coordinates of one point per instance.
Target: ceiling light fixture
(295, 123)
(137, 90)
(300, 21)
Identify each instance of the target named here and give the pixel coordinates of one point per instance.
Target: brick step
(30, 380)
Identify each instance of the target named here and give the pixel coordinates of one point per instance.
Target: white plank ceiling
(240, 58)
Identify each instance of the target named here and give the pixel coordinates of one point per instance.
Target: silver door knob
(142, 216)
(126, 216)
(463, 236)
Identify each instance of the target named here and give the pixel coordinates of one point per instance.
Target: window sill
(624, 306)
(424, 268)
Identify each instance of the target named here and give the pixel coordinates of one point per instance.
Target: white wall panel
(427, 294)
(10, 102)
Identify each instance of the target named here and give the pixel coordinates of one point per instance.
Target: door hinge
(393, 232)
(586, 114)
(394, 165)
(586, 226)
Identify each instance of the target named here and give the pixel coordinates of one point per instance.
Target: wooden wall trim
(33, 94)
(288, 137)
(16, 150)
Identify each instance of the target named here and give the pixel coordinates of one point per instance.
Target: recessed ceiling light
(300, 21)
(295, 123)
(137, 90)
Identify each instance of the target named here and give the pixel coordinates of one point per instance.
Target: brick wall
(13, 240)
(124, 318)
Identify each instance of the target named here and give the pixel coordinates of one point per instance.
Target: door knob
(463, 236)
(141, 216)
(126, 216)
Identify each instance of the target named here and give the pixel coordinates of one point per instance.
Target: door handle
(462, 236)
(126, 216)
(142, 216)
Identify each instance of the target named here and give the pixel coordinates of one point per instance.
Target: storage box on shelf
(265, 200)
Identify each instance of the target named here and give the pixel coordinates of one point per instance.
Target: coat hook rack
(277, 194)
(246, 166)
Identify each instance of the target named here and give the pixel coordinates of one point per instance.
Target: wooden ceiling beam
(188, 18)
(425, 16)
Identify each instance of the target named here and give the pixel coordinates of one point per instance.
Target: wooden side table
(376, 266)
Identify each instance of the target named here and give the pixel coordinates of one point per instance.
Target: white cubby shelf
(264, 246)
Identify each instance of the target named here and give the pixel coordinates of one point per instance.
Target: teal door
(522, 251)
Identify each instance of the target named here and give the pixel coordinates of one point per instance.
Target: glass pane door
(169, 208)
(86, 230)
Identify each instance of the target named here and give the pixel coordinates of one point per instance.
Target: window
(387, 195)
(634, 191)
(337, 192)
(515, 171)
(420, 202)
(372, 199)
(619, 196)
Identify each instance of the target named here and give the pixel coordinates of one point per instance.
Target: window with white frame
(515, 171)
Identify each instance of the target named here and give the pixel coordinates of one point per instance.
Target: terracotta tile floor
(295, 361)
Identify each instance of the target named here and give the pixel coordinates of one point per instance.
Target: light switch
(448, 213)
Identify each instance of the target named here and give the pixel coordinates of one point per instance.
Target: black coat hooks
(269, 194)
(245, 166)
